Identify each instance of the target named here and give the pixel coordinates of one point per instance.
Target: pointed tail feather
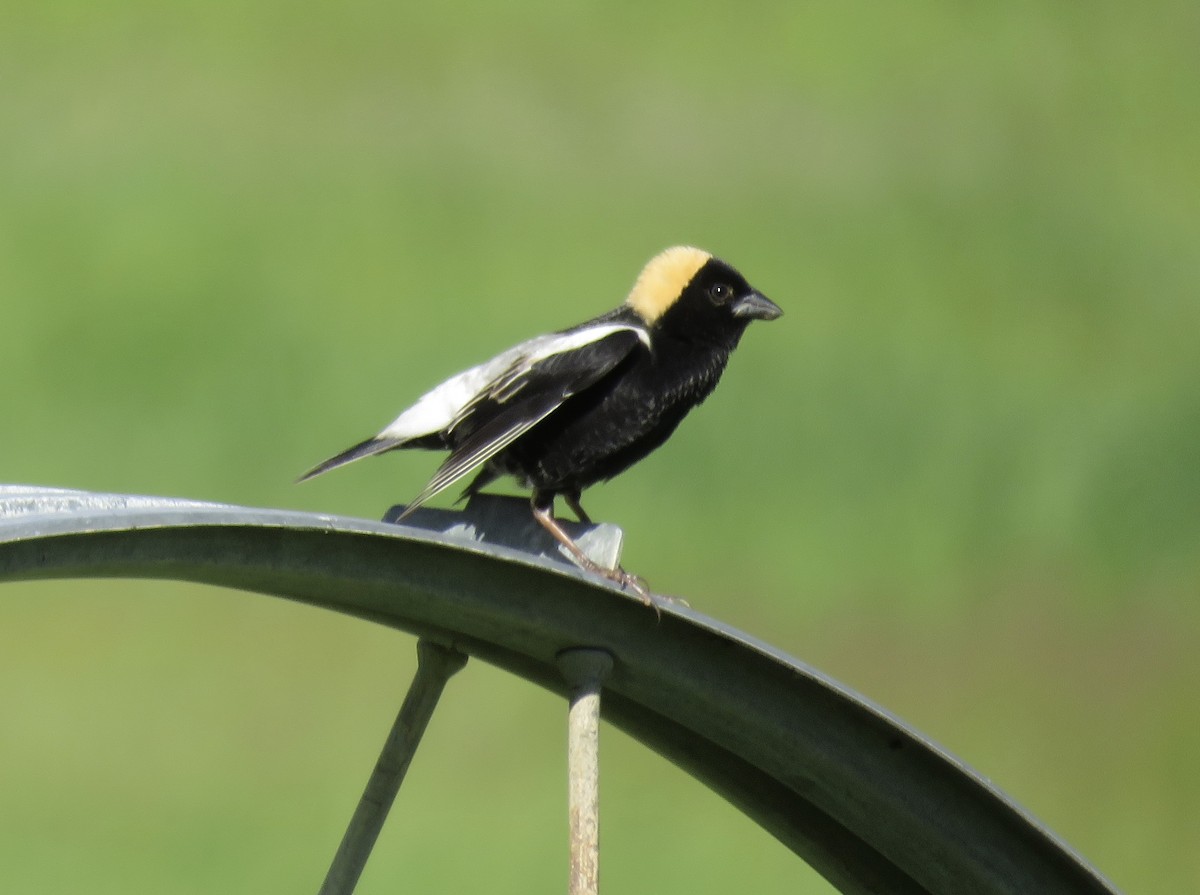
(362, 449)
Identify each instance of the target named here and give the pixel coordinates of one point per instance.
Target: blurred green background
(961, 474)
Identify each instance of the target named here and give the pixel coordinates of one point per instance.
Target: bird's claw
(635, 583)
(674, 601)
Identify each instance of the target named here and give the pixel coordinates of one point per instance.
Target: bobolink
(563, 411)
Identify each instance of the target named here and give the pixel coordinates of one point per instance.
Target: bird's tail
(376, 445)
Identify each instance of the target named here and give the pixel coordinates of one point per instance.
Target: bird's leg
(543, 511)
(572, 499)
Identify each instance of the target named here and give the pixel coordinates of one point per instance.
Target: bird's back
(605, 429)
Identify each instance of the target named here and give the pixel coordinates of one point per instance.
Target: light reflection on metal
(869, 802)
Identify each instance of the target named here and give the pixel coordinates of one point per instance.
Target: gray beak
(756, 307)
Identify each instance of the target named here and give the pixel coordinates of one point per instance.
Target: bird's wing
(484, 444)
(526, 393)
(441, 408)
(445, 407)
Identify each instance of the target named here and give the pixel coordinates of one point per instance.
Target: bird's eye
(719, 292)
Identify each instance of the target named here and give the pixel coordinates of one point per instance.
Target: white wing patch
(500, 377)
(456, 468)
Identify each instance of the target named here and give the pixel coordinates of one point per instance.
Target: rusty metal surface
(869, 802)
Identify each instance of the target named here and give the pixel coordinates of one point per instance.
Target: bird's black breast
(605, 429)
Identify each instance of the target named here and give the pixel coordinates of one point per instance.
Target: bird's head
(689, 292)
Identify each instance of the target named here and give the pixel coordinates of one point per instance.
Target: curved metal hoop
(869, 802)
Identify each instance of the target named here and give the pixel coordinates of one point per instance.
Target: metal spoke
(584, 671)
(435, 665)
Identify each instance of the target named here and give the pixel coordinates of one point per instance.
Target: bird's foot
(635, 583)
(674, 601)
(641, 587)
(543, 508)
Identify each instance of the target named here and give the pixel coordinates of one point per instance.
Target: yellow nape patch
(663, 279)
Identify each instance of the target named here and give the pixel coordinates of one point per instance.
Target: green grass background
(961, 474)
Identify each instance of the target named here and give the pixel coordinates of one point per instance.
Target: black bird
(563, 411)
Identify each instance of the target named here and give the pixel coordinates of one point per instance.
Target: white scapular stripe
(441, 406)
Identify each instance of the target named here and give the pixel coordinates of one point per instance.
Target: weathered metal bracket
(869, 802)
